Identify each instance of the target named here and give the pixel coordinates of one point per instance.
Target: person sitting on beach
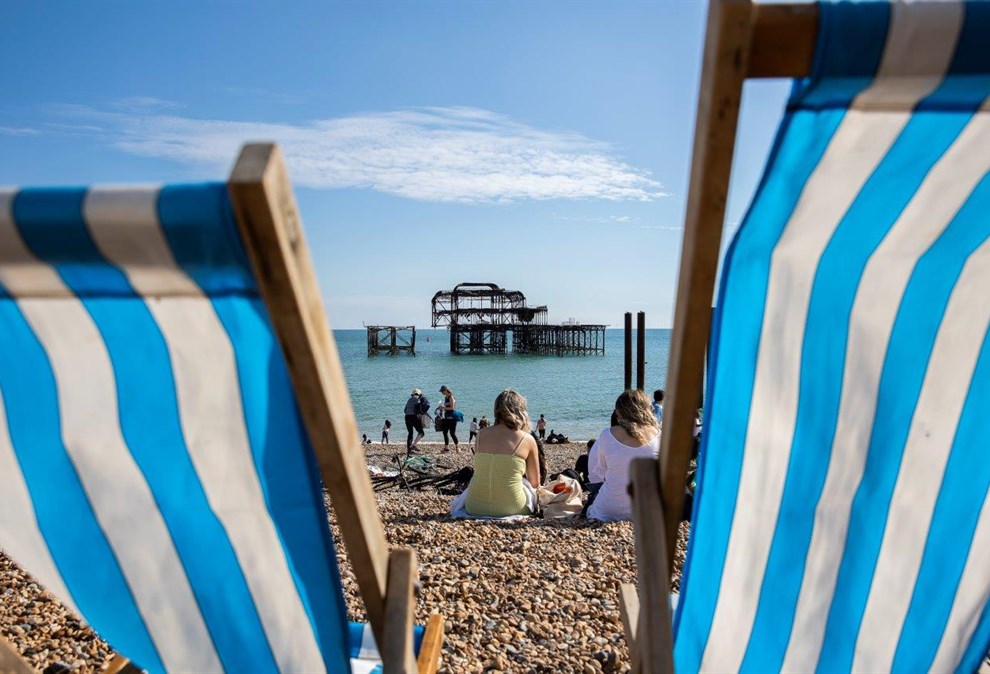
(636, 434)
(506, 455)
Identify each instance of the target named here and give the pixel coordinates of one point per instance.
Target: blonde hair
(510, 410)
(634, 413)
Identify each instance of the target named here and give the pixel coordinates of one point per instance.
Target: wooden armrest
(429, 649)
(11, 661)
(397, 646)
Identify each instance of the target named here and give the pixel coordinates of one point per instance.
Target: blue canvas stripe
(908, 351)
(283, 458)
(850, 42)
(805, 137)
(355, 636)
(967, 473)
(201, 226)
(877, 207)
(149, 421)
(65, 516)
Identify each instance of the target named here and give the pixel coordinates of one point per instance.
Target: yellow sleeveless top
(496, 489)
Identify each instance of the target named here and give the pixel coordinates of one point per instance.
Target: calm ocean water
(576, 393)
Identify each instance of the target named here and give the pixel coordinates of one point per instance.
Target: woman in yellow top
(506, 454)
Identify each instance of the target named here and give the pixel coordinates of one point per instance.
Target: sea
(576, 394)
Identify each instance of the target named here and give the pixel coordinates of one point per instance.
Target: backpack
(424, 405)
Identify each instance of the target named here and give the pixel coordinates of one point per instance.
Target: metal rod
(641, 350)
(627, 379)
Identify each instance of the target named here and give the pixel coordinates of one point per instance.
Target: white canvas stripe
(369, 649)
(943, 393)
(125, 227)
(858, 146)
(120, 496)
(943, 192)
(919, 49)
(971, 597)
(19, 531)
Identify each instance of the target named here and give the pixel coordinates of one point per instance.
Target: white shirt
(609, 461)
(474, 426)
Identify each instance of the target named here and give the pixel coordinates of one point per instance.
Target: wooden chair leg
(121, 665)
(11, 661)
(397, 645)
(629, 612)
(429, 649)
(654, 640)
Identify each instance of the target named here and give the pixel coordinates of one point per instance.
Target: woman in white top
(636, 434)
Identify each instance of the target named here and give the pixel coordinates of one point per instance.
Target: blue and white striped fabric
(842, 521)
(154, 471)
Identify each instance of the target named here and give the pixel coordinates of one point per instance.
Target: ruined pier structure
(391, 339)
(486, 318)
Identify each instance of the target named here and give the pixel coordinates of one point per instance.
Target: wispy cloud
(143, 104)
(666, 228)
(600, 219)
(455, 154)
(19, 131)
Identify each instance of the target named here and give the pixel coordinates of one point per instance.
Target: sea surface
(575, 393)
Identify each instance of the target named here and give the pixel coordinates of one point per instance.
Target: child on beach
(473, 430)
(385, 429)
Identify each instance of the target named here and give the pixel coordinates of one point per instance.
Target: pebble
(537, 596)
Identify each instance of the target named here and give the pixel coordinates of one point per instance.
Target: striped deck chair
(841, 521)
(171, 398)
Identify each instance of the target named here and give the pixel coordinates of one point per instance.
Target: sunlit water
(576, 393)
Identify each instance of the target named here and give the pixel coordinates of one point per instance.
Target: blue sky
(542, 146)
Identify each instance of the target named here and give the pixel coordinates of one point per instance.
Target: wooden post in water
(641, 350)
(627, 336)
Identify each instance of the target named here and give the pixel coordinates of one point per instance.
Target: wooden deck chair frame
(743, 40)
(268, 220)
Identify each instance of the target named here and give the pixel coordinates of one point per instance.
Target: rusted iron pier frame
(544, 340)
(391, 339)
(484, 304)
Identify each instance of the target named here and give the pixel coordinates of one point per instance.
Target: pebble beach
(527, 596)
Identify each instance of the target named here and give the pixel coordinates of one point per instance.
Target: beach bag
(425, 421)
(438, 424)
(561, 498)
